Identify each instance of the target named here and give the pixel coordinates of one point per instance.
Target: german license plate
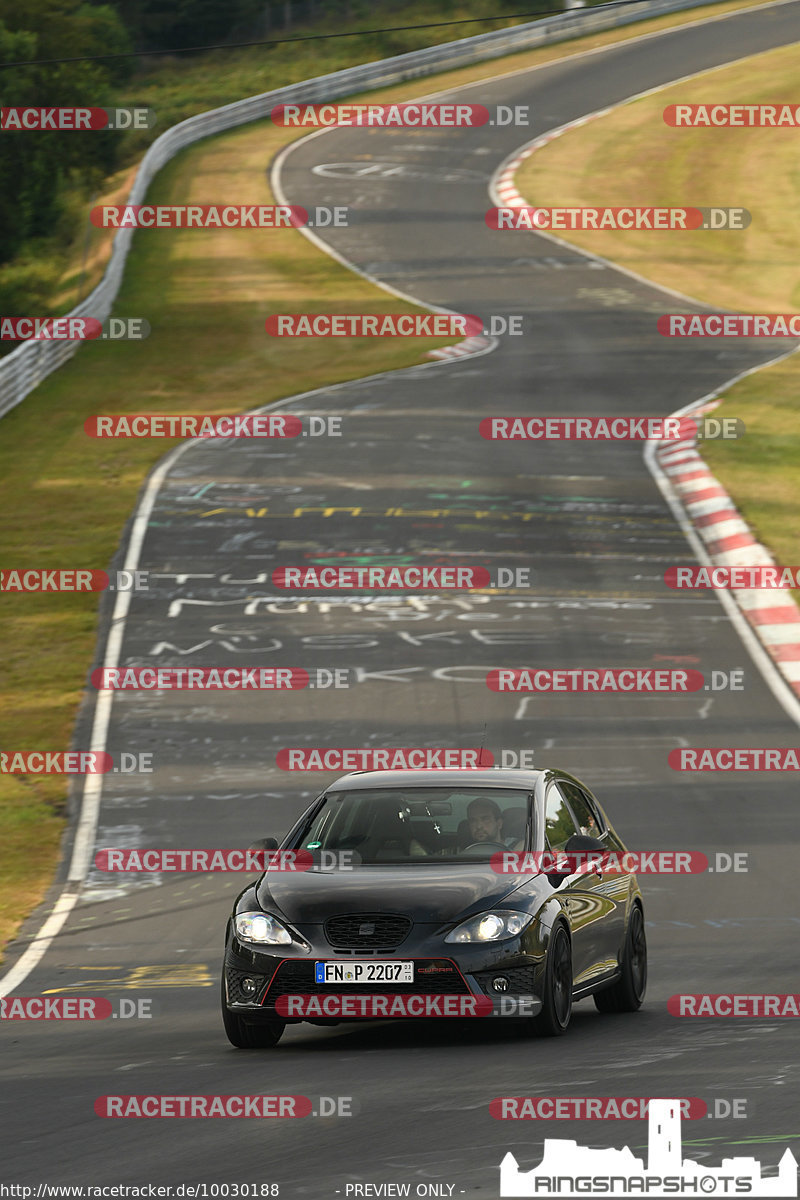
(364, 971)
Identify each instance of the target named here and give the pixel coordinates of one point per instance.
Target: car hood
(426, 894)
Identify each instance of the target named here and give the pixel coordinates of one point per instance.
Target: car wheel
(556, 1011)
(627, 994)
(249, 1036)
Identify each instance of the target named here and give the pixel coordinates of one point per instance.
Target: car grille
(235, 993)
(367, 931)
(521, 980)
(297, 978)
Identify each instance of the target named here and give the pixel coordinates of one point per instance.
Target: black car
(423, 896)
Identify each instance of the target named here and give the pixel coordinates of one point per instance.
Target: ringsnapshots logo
(567, 1169)
(758, 1006)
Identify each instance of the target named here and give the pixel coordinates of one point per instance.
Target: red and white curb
(505, 188)
(774, 617)
(472, 345)
(729, 542)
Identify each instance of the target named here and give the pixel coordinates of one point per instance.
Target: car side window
(586, 817)
(558, 823)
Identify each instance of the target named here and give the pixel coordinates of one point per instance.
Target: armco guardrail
(23, 369)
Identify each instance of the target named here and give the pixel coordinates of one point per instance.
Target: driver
(486, 824)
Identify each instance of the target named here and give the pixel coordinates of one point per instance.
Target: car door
(592, 913)
(613, 887)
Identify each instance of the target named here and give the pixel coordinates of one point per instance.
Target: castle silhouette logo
(568, 1169)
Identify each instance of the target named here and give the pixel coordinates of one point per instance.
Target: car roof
(497, 777)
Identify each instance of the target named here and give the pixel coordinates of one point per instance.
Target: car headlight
(262, 928)
(490, 927)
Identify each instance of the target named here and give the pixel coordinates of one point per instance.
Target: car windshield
(419, 824)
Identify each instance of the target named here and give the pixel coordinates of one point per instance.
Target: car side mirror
(581, 843)
(264, 844)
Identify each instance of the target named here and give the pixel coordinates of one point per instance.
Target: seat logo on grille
(366, 928)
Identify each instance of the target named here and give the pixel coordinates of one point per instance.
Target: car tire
(246, 1035)
(627, 994)
(554, 1018)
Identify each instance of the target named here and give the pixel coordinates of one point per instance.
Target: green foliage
(27, 284)
(37, 165)
(155, 25)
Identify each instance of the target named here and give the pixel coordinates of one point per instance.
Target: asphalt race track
(410, 479)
